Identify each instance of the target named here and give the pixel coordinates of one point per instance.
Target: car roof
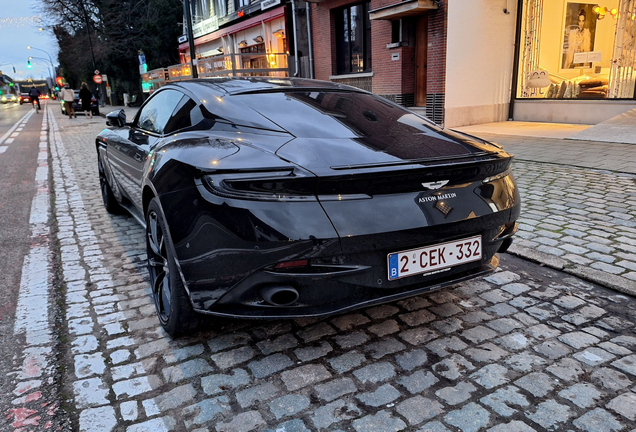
(239, 85)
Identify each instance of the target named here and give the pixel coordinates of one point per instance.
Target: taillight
(279, 185)
(288, 264)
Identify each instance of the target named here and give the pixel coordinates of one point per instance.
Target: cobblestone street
(528, 348)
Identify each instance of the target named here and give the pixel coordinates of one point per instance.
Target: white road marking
(32, 327)
(3, 149)
(24, 119)
(9, 140)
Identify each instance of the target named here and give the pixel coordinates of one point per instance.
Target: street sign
(96, 72)
(97, 79)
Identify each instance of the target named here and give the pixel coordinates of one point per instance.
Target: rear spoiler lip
(434, 162)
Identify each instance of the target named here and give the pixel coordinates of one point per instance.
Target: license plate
(432, 258)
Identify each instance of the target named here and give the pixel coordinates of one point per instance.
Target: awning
(402, 10)
(211, 53)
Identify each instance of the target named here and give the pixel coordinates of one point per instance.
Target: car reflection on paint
(280, 198)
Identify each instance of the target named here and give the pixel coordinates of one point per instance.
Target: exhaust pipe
(279, 295)
(505, 245)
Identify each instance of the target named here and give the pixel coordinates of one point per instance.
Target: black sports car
(270, 198)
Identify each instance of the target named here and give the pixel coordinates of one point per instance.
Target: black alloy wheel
(108, 197)
(171, 300)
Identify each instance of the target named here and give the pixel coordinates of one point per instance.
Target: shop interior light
(258, 39)
(243, 43)
(614, 12)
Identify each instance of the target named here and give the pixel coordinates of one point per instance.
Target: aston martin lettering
(434, 198)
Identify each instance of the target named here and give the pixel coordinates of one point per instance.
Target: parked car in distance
(25, 98)
(77, 105)
(6, 98)
(288, 198)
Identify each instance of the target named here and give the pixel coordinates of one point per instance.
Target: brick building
(394, 49)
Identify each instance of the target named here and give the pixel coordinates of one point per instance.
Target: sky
(19, 22)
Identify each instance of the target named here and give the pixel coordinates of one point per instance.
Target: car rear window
(335, 114)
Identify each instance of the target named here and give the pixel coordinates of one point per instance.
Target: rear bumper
(338, 283)
(331, 295)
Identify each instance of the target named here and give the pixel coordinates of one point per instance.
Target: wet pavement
(527, 348)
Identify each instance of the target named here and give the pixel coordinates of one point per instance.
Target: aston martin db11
(281, 198)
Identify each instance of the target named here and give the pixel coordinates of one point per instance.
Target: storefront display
(577, 50)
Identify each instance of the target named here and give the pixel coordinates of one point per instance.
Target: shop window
(253, 57)
(353, 39)
(576, 50)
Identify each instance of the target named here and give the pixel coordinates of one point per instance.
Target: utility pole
(193, 60)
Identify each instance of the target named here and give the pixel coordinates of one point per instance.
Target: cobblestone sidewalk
(526, 349)
(580, 221)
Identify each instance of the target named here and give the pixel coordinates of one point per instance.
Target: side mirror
(116, 118)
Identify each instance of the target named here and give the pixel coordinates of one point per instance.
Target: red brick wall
(436, 65)
(389, 76)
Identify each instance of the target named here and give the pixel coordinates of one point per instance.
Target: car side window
(186, 114)
(155, 114)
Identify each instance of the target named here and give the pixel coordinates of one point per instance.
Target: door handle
(138, 157)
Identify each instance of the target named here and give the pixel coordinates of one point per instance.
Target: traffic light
(29, 64)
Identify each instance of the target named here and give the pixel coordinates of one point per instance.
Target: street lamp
(51, 71)
(31, 47)
(9, 64)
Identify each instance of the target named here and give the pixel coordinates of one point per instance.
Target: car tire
(174, 310)
(108, 197)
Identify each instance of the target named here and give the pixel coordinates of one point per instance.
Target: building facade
(231, 38)
(465, 62)
(458, 62)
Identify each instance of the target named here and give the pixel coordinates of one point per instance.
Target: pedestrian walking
(68, 96)
(85, 97)
(98, 96)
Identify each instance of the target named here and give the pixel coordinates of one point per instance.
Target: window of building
(353, 39)
(239, 4)
(200, 10)
(221, 7)
(403, 31)
(576, 50)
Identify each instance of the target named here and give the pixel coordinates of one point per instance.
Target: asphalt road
(18, 162)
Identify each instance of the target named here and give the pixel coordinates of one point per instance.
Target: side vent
(435, 107)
